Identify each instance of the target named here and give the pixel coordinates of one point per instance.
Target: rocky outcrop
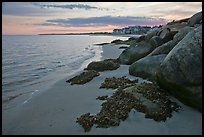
(136, 52)
(195, 19)
(181, 71)
(147, 66)
(168, 46)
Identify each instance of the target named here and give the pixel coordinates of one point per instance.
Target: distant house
(132, 30)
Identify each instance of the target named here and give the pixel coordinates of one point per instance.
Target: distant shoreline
(99, 34)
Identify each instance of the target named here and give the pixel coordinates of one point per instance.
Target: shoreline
(55, 110)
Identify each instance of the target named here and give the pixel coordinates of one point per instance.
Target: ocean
(32, 63)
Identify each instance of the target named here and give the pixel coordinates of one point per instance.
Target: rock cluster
(171, 56)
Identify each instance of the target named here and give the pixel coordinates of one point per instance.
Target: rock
(166, 34)
(168, 46)
(169, 36)
(181, 34)
(195, 19)
(147, 66)
(181, 71)
(84, 77)
(141, 38)
(117, 41)
(163, 49)
(130, 41)
(156, 41)
(101, 44)
(123, 47)
(151, 34)
(102, 97)
(107, 64)
(153, 101)
(134, 53)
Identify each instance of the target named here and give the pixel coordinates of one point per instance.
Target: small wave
(10, 63)
(41, 68)
(58, 66)
(57, 62)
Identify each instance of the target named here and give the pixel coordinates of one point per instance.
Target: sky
(27, 18)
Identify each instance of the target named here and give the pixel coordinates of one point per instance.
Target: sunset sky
(74, 17)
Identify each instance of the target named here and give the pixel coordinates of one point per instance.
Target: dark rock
(130, 41)
(166, 34)
(141, 38)
(156, 41)
(84, 77)
(147, 66)
(163, 49)
(134, 53)
(107, 64)
(102, 97)
(181, 71)
(169, 36)
(123, 47)
(102, 44)
(114, 83)
(195, 19)
(151, 34)
(117, 41)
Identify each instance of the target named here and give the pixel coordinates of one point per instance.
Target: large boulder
(147, 66)
(166, 34)
(156, 41)
(195, 19)
(168, 46)
(134, 53)
(151, 34)
(181, 71)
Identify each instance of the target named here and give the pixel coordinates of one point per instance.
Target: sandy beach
(55, 111)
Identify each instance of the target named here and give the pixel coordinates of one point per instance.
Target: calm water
(33, 63)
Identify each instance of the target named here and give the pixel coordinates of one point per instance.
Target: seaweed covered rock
(107, 64)
(130, 41)
(153, 101)
(115, 109)
(136, 52)
(181, 71)
(147, 66)
(114, 83)
(102, 97)
(84, 77)
(145, 98)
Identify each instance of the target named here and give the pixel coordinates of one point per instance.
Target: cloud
(68, 6)
(119, 21)
(42, 9)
